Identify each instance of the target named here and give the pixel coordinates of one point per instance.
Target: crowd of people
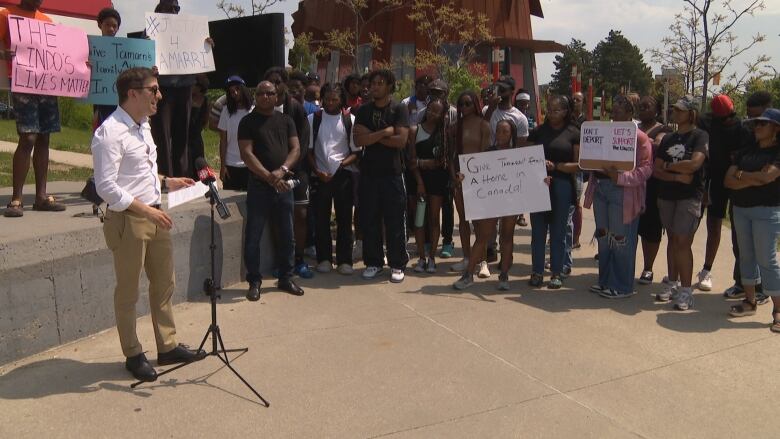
(303, 151)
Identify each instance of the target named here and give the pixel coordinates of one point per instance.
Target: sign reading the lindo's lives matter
(51, 59)
(110, 56)
(605, 145)
(180, 43)
(504, 182)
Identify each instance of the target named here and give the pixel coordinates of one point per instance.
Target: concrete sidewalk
(65, 157)
(419, 360)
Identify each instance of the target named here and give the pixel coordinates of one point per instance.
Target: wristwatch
(285, 169)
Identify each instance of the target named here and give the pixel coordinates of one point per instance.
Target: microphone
(207, 176)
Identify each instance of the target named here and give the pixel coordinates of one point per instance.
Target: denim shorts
(36, 113)
(680, 217)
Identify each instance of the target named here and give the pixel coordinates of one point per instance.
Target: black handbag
(89, 192)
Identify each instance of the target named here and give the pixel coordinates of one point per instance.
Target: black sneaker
(253, 293)
(646, 278)
(761, 298)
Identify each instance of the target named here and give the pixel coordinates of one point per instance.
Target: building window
(364, 54)
(402, 56)
(452, 51)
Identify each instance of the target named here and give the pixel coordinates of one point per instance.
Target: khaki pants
(139, 244)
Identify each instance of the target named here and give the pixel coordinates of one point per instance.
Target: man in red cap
(726, 136)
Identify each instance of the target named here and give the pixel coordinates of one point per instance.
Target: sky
(644, 22)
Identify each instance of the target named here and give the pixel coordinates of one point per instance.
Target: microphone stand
(217, 345)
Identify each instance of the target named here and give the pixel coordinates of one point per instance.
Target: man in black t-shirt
(268, 142)
(381, 129)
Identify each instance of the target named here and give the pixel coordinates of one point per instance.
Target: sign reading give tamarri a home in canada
(604, 145)
(504, 182)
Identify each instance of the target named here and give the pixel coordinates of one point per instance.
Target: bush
(75, 114)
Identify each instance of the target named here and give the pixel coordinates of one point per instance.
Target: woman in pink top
(618, 198)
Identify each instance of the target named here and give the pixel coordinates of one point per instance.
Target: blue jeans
(383, 201)
(556, 220)
(757, 231)
(617, 241)
(263, 203)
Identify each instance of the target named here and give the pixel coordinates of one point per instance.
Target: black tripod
(217, 345)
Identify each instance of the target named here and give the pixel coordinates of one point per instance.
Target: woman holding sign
(506, 138)
(472, 135)
(678, 166)
(618, 197)
(561, 141)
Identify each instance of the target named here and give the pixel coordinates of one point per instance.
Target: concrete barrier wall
(58, 286)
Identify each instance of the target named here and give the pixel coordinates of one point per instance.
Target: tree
(619, 65)
(574, 53)
(363, 12)
(300, 55)
(702, 45)
(233, 10)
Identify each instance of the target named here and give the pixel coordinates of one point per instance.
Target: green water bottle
(419, 215)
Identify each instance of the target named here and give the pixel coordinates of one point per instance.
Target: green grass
(68, 140)
(57, 172)
(75, 140)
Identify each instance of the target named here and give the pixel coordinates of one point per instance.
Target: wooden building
(509, 20)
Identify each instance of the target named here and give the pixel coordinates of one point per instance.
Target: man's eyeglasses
(154, 89)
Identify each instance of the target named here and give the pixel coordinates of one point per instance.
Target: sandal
(49, 205)
(775, 322)
(14, 209)
(744, 309)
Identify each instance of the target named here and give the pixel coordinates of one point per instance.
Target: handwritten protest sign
(505, 182)
(607, 144)
(51, 59)
(181, 43)
(110, 56)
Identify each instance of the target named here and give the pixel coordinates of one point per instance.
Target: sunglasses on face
(154, 89)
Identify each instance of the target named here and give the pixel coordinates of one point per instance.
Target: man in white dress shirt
(136, 229)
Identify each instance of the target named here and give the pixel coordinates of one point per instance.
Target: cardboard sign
(180, 43)
(607, 144)
(110, 56)
(505, 182)
(51, 59)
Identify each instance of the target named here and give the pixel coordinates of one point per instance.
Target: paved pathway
(66, 157)
(355, 359)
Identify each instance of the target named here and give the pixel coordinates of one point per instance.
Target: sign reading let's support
(180, 43)
(109, 57)
(51, 59)
(605, 145)
(504, 182)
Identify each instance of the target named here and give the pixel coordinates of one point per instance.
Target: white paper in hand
(187, 194)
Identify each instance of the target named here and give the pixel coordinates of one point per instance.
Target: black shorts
(650, 227)
(718, 198)
(301, 192)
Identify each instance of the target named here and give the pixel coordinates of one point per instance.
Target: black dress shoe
(179, 354)
(140, 368)
(253, 294)
(291, 287)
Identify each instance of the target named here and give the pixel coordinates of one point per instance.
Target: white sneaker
(310, 252)
(357, 250)
(483, 272)
(460, 266)
(670, 292)
(396, 275)
(345, 269)
(371, 272)
(705, 280)
(324, 267)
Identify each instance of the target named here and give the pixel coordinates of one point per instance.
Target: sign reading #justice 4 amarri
(505, 182)
(51, 59)
(607, 144)
(180, 43)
